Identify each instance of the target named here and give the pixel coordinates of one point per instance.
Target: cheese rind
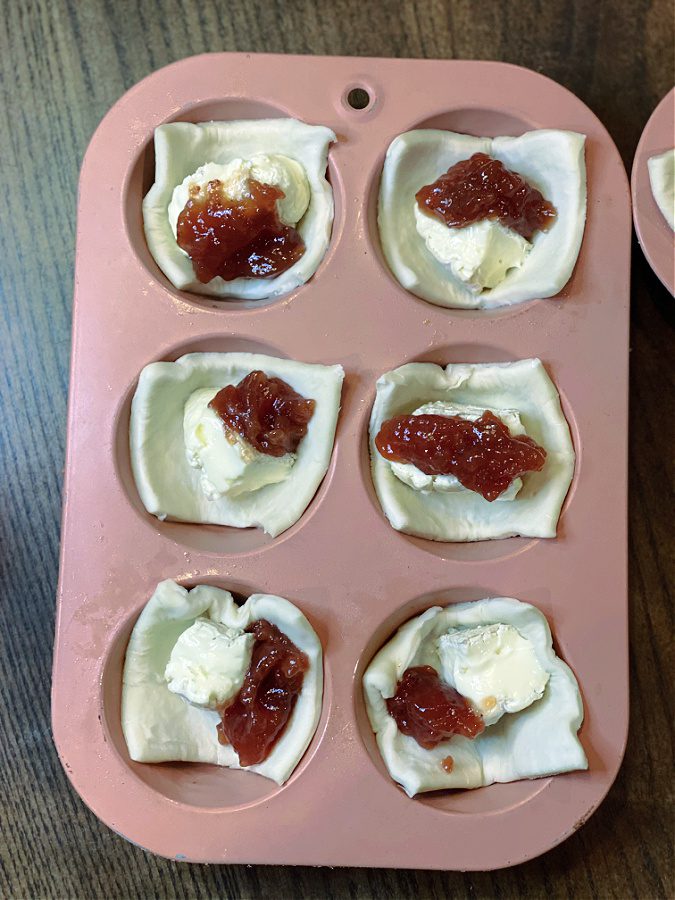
(494, 667)
(280, 171)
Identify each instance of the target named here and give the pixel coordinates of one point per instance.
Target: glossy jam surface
(237, 238)
(266, 412)
(482, 455)
(429, 710)
(448, 764)
(258, 715)
(483, 188)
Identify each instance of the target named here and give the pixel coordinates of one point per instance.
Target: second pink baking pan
(655, 235)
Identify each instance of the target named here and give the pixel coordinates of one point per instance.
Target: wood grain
(63, 64)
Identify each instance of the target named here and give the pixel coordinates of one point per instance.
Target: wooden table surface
(63, 64)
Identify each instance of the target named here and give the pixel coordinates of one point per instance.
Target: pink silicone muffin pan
(354, 577)
(654, 234)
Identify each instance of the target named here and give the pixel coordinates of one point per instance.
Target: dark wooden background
(63, 64)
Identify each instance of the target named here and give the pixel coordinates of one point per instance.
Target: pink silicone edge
(353, 576)
(655, 235)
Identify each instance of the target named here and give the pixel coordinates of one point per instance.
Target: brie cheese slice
(160, 726)
(279, 171)
(552, 161)
(522, 386)
(227, 463)
(493, 666)
(540, 739)
(183, 148)
(208, 663)
(479, 255)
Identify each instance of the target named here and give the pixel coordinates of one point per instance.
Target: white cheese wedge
(522, 386)
(420, 481)
(208, 663)
(159, 725)
(479, 255)
(170, 487)
(494, 667)
(228, 464)
(183, 148)
(551, 161)
(541, 739)
(234, 176)
(662, 180)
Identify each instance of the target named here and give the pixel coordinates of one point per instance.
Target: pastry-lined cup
(182, 147)
(160, 726)
(552, 161)
(465, 515)
(169, 486)
(538, 741)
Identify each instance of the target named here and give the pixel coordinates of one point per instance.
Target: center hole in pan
(358, 98)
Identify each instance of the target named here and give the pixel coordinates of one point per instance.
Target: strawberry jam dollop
(431, 711)
(482, 455)
(266, 412)
(483, 188)
(258, 715)
(242, 238)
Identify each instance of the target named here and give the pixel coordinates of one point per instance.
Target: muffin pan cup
(353, 576)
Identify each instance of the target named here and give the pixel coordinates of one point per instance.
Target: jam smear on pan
(482, 455)
(431, 711)
(237, 238)
(266, 412)
(483, 188)
(258, 715)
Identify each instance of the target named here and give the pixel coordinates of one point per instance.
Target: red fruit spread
(257, 717)
(483, 188)
(482, 455)
(266, 412)
(237, 238)
(429, 710)
(448, 764)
